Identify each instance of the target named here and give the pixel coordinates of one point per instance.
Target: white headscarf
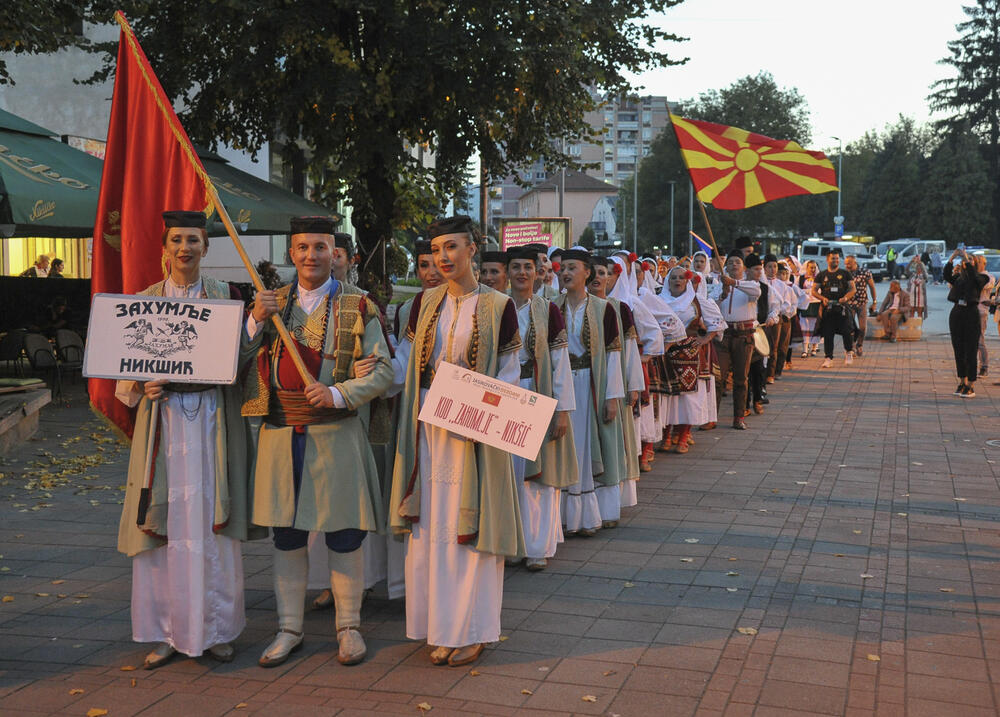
(555, 277)
(622, 290)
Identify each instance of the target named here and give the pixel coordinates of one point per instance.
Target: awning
(255, 206)
(47, 188)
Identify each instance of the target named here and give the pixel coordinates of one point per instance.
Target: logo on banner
(491, 398)
(160, 336)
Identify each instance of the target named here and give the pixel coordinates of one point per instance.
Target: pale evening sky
(858, 63)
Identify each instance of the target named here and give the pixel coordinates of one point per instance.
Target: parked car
(818, 248)
(906, 249)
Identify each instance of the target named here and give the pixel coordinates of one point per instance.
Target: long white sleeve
(616, 386)
(400, 362)
(562, 380)
(510, 368)
(650, 335)
(633, 366)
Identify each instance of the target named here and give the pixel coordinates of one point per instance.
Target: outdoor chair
(69, 350)
(43, 359)
(12, 350)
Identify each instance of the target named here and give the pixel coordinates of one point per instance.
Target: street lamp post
(635, 207)
(838, 221)
(671, 217)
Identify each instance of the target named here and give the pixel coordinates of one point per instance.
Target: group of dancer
(318, 445)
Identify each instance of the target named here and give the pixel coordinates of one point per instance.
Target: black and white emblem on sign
(161, 336)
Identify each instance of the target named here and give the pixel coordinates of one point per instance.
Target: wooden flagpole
(711, 236)
(181, 137)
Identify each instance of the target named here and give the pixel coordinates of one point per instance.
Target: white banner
(141, 338)
(488, 410)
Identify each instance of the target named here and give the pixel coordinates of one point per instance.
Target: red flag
(732, 168)
(149, 167)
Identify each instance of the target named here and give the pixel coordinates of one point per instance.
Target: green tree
(955, 202)
(972, 96)
(368, 88)
(893, 183)
(587, 237)
(35, 27)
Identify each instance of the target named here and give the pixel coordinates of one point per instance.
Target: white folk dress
(694, 408)
(189, 592)
(580, 506)
(540, 513)
(453, 592)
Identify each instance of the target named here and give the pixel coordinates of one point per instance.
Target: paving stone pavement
(842, 557)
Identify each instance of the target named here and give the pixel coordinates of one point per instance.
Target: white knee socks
(291, 568)
(347, 581)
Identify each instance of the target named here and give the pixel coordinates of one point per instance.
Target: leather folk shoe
(284, 644)
(465, 655)
(352, 648)
(223, 652)
(439, 655)
(163, 654)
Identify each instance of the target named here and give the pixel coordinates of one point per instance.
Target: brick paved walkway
(841, 557)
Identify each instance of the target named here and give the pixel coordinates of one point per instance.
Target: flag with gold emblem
(732, 168)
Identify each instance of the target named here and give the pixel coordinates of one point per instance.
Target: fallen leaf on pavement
(730, 473)
(96, 712)
(687, 560)
(630, 585)
(589, 698)
(127, 668)
(692, 540)
(917, 463)
(731, 590)
(732, 574)
(856, 532)
(961, 500)
(7, 598)
(58, 582)
(947, 590)
(865, 576)
(504, 638)
(133, 682)
(474, 673)
(608, 673)
(41, 594)
(527, 692)
(424, 707)
(902, 515)
(801, 482)
(874, 658)
(747, 630)
(732, 560)
(76, 691)
(241, 706)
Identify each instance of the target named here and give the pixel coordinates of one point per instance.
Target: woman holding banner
(187, 571)
(457, 499)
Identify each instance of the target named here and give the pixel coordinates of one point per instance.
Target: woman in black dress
(963, 322)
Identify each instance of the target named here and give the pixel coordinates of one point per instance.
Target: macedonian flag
(735, 169)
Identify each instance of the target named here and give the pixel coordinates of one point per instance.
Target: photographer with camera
(835, 288)
(967, 285)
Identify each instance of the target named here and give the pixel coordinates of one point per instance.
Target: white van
(906, 249)
(816, 249)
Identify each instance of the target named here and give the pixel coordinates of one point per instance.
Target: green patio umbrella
(255, 206)
(47, 188)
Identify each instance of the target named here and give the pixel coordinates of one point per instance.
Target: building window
(609, 166)
(574, 150)
(647, 117)
(647, 134)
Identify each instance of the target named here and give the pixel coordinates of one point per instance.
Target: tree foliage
(956, 199)
(360, 87)
(972, 96)
(33, 27)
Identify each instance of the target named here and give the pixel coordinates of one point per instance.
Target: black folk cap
(312, 225)
(180, 218)
(459, 224)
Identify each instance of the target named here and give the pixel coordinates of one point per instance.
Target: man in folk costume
(493, 270)
(738, 303)
(187, 571)
(545, 369)
(455, 499)
(595, 348)
(768, 318)
(314, 468)
(643, 340)
(703, 322)
(783, 330)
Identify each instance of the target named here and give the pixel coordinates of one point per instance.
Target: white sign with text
(141, 338)
(488, 410)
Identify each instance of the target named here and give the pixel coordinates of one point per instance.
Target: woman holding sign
(187, 570)
(457, 499)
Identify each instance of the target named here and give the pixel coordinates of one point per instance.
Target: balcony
(628, 125)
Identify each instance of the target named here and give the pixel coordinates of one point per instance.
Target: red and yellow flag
(735, 169)
(149, 167)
